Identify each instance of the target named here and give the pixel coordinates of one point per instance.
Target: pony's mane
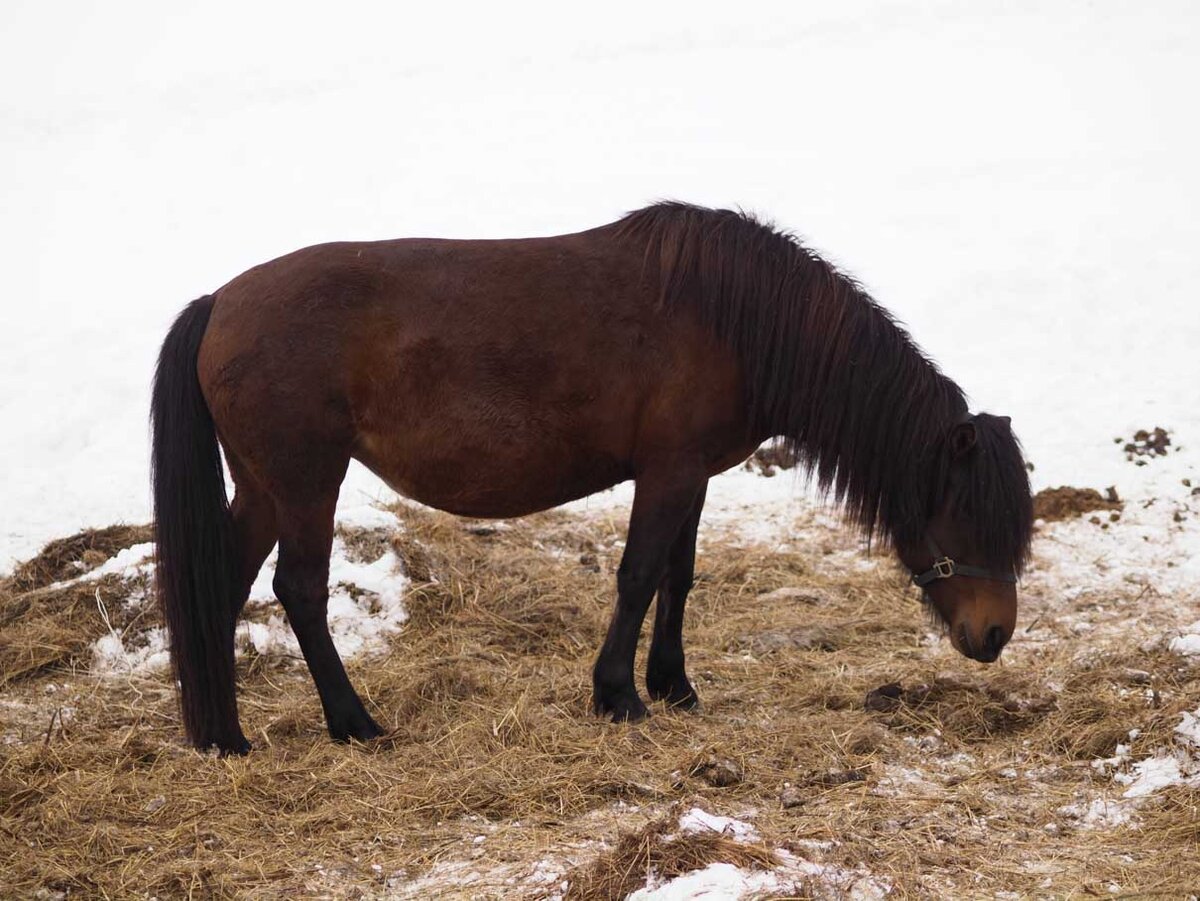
(866, 412)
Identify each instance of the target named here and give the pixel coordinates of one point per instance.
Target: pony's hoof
(232, 746)
(358, 726)
(674, 689)
(677, 696)
(626, 707)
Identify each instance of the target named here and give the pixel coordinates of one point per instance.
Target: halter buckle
(944, 568)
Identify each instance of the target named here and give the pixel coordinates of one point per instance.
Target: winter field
(1017, 182)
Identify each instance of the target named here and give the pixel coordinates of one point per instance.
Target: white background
(1018, 182)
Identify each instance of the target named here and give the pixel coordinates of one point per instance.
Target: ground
(843, 749)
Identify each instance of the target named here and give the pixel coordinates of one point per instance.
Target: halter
(944, 568)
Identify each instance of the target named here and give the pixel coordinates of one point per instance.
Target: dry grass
(68, 557)
(487, 696)
(45, 625)
(659, 850)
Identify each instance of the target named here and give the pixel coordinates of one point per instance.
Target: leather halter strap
(944, 568)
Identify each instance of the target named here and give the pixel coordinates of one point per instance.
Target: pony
(495, 378)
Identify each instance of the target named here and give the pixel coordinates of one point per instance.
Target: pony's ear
(962, 438)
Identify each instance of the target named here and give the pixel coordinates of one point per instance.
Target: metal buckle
(944, 568)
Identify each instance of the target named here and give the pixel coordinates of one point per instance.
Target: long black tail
(194, 536)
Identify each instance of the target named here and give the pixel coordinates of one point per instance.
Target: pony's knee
(304, 595)
(634, 584)
(679, 584)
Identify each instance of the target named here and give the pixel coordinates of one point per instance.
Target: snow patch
(1179, 765)
(795, 875)
(127, 563)
(901, 781)
(1189, 728)
(1188, 642)
(726, 881)
(1099, 813)
(1149, 775)
(697, 820)
(365, 516)
(715, 881)
(366, 604)
(110, 657)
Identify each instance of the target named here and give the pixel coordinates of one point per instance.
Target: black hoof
(356, 724)
(677, 693)
(233, 746)
(621, 707)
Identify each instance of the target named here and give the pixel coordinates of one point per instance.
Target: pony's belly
(491, 485)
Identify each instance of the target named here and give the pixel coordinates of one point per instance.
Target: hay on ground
(495, 771)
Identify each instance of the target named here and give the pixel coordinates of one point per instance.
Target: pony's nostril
(993, 641)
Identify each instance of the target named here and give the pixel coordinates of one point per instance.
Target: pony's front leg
(662, 502)
(666, 679)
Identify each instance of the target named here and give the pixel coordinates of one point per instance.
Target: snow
(364, 516)
(1141, 779)
(716, 881)
(127, 562)
(1147, 545)
(1189, 728)
(1038, 240)
(1188, 643)
(901, 781)
(726, 881)
(1150, 775)
(110, 657)
(366, 604)
(1098, 813)
(698, 820)
(739, 503)
(795, 875)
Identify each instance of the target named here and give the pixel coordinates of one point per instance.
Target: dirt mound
(1065, 502)
(770, 458)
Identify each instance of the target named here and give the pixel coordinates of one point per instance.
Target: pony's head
(975, 542)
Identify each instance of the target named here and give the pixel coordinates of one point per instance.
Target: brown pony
(497, 378)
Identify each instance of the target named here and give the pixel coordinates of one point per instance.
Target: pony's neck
(824, 366)
(867, 412)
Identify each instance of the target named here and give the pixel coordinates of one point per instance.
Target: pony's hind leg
(302, 586)
(666, 679)
(662, 502)
(255, 532)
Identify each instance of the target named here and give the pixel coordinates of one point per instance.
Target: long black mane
(867, 413)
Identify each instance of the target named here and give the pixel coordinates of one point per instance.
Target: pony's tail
(193, 533)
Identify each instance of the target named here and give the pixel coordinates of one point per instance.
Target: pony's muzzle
(994, 640)
(982, 615)
(983, 644)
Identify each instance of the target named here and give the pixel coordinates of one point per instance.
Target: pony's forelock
(996, 497)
